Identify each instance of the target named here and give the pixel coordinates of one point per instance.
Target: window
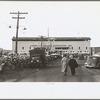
(86, 48)
(22, 48)
(79, 48)
(72, 47)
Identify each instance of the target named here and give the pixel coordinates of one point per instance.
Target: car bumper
(89, 66)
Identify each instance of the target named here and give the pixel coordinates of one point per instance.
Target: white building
(64, 44)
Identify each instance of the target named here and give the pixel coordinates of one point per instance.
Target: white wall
(74, 44)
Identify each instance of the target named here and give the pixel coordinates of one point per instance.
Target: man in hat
(73, 64)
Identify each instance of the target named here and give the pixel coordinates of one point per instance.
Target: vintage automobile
(55, 56)
(92, 62)
(37, 57)
(35, 60)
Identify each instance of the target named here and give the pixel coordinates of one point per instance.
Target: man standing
(73, 64)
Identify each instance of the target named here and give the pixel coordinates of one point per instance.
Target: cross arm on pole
(18, 13)
(17, 17)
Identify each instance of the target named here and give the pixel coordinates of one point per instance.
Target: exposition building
(61, 44)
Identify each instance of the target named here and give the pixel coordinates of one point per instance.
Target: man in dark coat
(73, 64)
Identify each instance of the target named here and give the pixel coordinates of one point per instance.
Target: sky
(63, 19)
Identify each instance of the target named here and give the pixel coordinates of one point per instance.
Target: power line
(10, 24)
(4, 23)
(30, 28)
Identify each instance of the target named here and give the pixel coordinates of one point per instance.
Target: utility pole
(17, 27)
(41, 41)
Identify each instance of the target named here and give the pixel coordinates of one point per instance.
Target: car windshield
(36, 55)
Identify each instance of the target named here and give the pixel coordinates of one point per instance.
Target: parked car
(92, 62)
(55, 56)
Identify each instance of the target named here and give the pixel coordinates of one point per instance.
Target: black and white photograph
(49, 49)
(49, 41)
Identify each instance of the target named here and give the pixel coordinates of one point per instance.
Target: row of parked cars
(91, 61)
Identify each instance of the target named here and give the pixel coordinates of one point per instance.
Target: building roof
(52, 38)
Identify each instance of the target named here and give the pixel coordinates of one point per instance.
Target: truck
(37, 57)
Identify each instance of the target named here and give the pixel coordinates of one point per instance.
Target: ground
(13, 76)
(52, 73)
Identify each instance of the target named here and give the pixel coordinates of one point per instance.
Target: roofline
(52, 38)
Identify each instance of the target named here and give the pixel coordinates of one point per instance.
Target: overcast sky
(65, 19)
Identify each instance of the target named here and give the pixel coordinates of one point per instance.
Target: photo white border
(50, 90)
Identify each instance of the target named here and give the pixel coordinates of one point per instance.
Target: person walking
(73, 64)
(63, 64)
(67, 65)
